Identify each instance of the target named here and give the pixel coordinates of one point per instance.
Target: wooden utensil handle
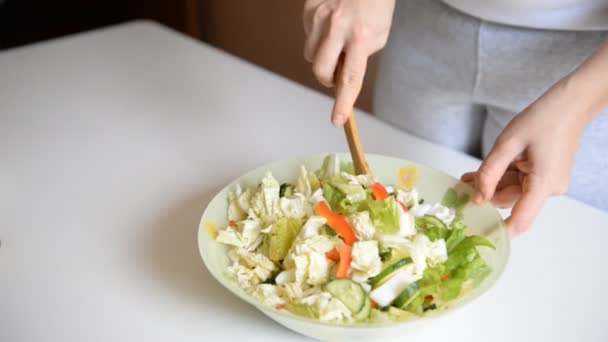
(354, 144)
(352, 131)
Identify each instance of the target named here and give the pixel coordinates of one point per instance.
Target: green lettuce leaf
(344, 198)
(277, 243)
(314, 181)
(310, 311)
(474, 241)
(385, 215)
(330, 167)
(353, 192)
(432, 227)
(347, 167)
(465, 264)
(445, 282)
(476, 270)
(455, 237)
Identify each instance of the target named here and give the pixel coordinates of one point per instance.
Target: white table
(111, 144)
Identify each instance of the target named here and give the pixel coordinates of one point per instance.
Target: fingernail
(339, 120)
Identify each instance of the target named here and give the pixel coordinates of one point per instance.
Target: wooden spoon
(352, 131)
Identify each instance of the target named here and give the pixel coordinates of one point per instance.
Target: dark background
(268, 33)
(28, 21)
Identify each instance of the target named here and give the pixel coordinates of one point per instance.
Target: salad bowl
(483, 220)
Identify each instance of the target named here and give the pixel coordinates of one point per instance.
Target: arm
(533, 157)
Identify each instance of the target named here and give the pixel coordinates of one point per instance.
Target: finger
(528, 206)
(493, 168)
(468, 177)
(349, 83)
(523, 165)
(315, 25)
(326, 58)
(507, 196)
(508, 179)
(308, 13)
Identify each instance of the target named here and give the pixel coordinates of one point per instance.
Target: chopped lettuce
(366, 261)
(303, 310)
(408, 197)
(385, 215)
(268, 294)
(344, 198)
(330, 167)
(446, 281)
(433, 227)
(362, 224)
(239, 202)
(347, 167)
(265, 201)
(307, 182)
(314, 181)
(455, 237)
(277, 243)
(295, 206)
(229, 236)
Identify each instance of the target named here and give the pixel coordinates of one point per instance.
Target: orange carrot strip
(338, 223)
(379, 192)
(344, 264)
(404, 206)
(333, 255)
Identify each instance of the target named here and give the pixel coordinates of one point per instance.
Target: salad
(343, 248)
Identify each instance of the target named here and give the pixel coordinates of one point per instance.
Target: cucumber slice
(407, 296)
(348, 292)
(366, 310)
(388, 272)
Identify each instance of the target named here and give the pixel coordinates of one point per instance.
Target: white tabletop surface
(111, 144)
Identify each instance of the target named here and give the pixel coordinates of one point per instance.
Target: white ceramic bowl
(432, 184)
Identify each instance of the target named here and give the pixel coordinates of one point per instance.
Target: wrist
(587, 86)
(584, 98)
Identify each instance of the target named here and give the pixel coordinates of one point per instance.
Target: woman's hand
(356, 28)
(533, 157)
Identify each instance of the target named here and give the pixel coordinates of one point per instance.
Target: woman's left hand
(533, 157)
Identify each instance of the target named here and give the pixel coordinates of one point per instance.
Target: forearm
(587, 86)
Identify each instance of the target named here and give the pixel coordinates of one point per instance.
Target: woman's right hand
(357, 28)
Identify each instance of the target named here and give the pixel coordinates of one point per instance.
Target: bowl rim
(226, 283)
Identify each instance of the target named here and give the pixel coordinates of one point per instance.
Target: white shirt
(588, 15)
